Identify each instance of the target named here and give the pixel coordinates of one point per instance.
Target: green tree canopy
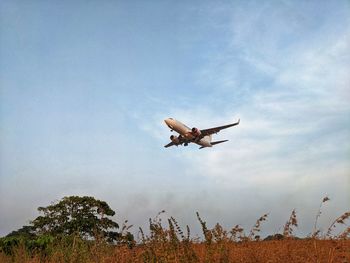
(25, 232)
(85, 216)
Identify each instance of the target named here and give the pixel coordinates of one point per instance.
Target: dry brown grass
(171, 244)
(289, 250)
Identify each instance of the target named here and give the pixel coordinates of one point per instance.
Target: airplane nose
(168, 123)
(168, 120)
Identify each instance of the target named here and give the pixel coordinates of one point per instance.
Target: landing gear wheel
(185, 144)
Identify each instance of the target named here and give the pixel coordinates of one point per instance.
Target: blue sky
(85, 86)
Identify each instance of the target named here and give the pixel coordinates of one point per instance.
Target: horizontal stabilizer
(213, 143)
(217, 142)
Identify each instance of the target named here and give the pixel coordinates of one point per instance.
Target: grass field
(311, 250)
(166, 241)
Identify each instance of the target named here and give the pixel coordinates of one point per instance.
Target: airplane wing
(217, 129)
(169, 144)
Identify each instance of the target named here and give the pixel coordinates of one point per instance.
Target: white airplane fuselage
(186, 132)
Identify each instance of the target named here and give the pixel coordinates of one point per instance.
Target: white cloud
(293, 140)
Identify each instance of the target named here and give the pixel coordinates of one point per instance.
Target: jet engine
(196, 132)
(174, 139)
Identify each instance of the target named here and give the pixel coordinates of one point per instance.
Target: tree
(84, 216)
(27, 232)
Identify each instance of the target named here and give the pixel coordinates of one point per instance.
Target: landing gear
(185, 144)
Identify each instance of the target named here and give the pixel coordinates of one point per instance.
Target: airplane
(187, 135)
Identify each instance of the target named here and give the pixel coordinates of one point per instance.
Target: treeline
(71, 219)
(80, 229)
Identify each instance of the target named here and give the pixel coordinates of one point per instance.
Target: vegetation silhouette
(84, 216)
(79, 229)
